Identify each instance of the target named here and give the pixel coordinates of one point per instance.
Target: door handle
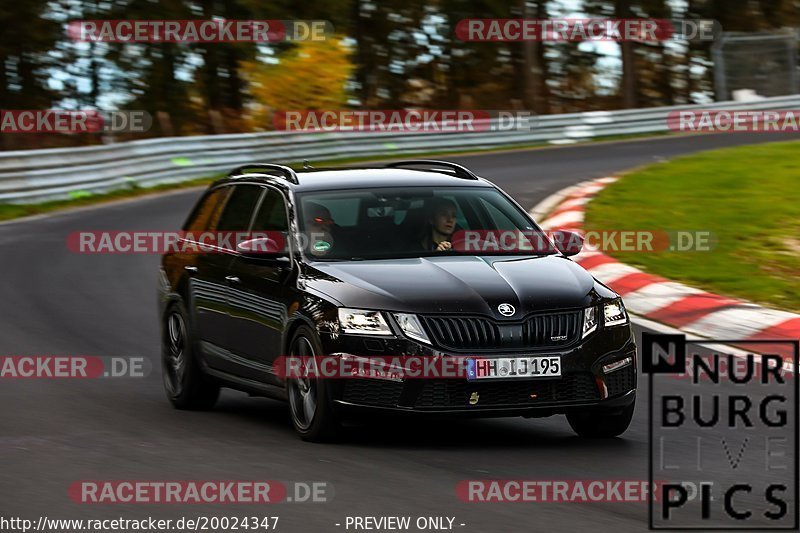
(232, 279)
(190, 269)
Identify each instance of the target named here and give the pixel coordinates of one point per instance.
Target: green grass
(749, 198)
(84, 198)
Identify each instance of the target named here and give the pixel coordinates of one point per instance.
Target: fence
(36, 175)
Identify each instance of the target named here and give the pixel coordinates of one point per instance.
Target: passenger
(438, 234)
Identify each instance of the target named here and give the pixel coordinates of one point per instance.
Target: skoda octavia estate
(417, 262)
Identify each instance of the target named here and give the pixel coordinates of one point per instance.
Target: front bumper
(583, 383)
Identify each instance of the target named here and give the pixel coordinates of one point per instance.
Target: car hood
(463, 284)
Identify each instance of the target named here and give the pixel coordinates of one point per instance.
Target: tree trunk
(211, 64)
(666, 76)
(94, 75)
(630, 85)
(361, 53)
(531, 69)
(235, 83)
(543, 72)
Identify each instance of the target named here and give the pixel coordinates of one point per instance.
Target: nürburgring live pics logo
(723, 443)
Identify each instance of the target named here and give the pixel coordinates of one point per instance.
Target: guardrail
(37, 175)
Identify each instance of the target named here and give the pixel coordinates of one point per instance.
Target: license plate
(513, 367)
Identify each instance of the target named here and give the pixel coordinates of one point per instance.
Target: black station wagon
(417, 259)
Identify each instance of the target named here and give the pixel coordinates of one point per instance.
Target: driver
(438, 233)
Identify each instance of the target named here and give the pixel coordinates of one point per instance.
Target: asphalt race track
(56, 432)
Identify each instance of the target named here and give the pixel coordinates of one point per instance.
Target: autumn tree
(309, 75)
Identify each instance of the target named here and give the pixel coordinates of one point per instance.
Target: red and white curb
(657, 299)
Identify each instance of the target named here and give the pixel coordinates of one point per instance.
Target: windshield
(388, 223)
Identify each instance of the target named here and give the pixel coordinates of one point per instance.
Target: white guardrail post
(37, 175)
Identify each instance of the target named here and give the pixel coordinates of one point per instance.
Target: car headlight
(363, 322)
(614, 314)
(412, 327)
(589, 320)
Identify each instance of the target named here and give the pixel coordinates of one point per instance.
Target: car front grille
(470, 333)
(577, 387)
(377, 392)
(621, 381)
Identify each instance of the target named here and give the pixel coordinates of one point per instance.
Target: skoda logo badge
(506, 309)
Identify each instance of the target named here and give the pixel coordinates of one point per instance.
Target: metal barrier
(37, 175)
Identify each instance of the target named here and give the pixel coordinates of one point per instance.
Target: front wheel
(186, 385)
(599, 424)
(310, 406)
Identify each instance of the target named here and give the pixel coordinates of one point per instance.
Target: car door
(264, 295)
(205, 270)
(212, 279)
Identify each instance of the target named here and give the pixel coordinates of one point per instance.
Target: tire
(185, 384)
(598, 424)
(310, 405)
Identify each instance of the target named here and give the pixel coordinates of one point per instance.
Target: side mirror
(262, 248)
(568, 243)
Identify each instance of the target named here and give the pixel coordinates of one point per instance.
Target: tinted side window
(239, 208)
(272, 213)
(206, 212)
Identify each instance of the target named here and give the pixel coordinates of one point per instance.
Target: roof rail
(284, 171)
(458, 170)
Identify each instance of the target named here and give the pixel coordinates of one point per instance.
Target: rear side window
(206, 212)
(239, 208)
(271, 214)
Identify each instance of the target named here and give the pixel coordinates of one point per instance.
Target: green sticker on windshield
(322, 246)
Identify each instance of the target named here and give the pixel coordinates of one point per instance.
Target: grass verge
(80, 199)
(748, 198)
(84, 198)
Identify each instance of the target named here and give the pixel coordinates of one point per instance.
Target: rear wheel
(186, 385)
(599, 424)
(310, 406)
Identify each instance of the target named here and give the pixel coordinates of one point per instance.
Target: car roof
(358, 178)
